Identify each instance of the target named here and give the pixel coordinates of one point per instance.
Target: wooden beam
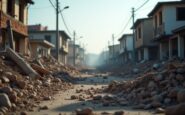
(21, 63)
(40, 70)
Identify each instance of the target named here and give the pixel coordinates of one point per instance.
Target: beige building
(15, 11)
(79, 59)
(50, 36)
(40, 48)
(146, 49)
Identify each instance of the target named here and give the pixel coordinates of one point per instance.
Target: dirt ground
(63, 105)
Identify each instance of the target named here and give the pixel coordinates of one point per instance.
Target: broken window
(139, 32)
(160, 18)
(155, 21)
(10, 7)
(180, 13)
(136, 35)
(21, 12)
(48, 38)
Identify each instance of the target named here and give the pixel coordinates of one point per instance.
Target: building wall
(170, 18)
(139, 41)
(17, 10)
(35, 50)
(116, 50)
(42, 36)
(122, 44)
(126, 43)
(129, 43)
(4, 5)
(26, 15)
(147, 32)
(19, 27)
(63, 43)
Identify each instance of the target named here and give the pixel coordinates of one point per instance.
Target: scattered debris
(22, 88)
(85, 111)
(161, 86)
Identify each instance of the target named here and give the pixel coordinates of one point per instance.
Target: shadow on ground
(96, 107)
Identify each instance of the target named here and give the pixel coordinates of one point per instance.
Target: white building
(126, 48)
(50, 36)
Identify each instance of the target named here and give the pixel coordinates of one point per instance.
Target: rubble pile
(54, 66)
(159, 88)
(129, 70)
(20, 92)
(85, 94)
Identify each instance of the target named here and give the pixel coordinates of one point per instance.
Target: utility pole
(113, 47)
(57, 31)
(108, 61)
(74, 51)
(133, 19)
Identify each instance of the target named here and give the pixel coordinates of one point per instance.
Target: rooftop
(51, 31)
(42, 42)
(138, 21)
(160, 4)
(180, 29)
(124, 35)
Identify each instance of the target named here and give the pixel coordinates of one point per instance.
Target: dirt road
(62, 103)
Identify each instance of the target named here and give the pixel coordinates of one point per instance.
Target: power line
(38, 8)
(52, 4)
(124, 27)
(142, 5)
(65, 24)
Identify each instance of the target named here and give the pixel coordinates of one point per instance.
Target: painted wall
(170, 18)
(129, 43)
(126, 43)
(42, 36)
(4, 5)
(16, 10)
(147, 32)
(139, 41)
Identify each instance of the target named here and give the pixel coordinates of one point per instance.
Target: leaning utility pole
(57, 31)
(74, 51)
(133, 19)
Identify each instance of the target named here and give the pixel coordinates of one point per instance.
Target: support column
(161, 51)
(139, 55)
(146, 55)
(180, 44)
(125, 58)
(23, 45)
(170, 49)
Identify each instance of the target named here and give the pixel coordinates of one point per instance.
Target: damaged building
(13, 24)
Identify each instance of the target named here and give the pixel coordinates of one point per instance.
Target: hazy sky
(95, 20)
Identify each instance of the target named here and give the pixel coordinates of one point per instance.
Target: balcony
(122, 50)
(16, 25)
(159, 31)
(65, 48)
